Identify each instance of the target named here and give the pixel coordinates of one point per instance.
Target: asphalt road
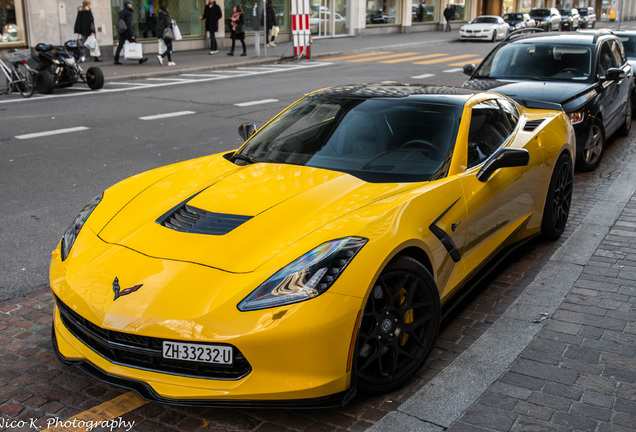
(90, 140)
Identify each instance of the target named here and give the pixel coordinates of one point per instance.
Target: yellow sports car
(317, 260)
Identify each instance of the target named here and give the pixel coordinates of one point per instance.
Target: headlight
(70, 61)
(576, 117)
(305, 278)
(72, 231)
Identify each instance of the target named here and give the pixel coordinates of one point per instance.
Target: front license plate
(217, 354)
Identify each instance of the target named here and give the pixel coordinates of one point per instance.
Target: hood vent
(532, 125)
(190, 219)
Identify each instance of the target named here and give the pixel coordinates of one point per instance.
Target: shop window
(12, 29)
(383, 11)
(424, 11)
(281, 7)
(145, 17)
(460, 7)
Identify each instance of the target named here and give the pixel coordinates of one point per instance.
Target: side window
(617, 52)
(606, 59)
(510, 111)
(489, 129)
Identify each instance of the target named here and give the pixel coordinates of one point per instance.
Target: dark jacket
(241, 22)
(84, 23)
(127, 15)
(212, 15)
(163, 21)
(270, 16)
(449, 14)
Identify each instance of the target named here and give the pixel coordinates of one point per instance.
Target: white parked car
(485, 27)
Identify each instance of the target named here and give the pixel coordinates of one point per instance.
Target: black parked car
(586, 72)
(588, 17)
(570, 19)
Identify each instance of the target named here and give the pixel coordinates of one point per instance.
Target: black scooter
(59, 66)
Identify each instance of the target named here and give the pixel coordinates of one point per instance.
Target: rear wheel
(95, 78)
(398, 328)
(26, 85)
(592, 153)
(44, 82)
(558, 199)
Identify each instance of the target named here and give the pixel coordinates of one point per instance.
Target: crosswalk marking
(388, 56)
(445, 59)
(475, 61)
(424, 76)
(356, 56)
(412, 58)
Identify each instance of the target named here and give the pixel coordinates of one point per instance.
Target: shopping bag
(90, 42)
(168, 34)
(275, 31)
(162, 47)
(176, 31)
(133, 51)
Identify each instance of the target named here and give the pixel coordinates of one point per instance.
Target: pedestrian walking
(85, 27)
(449, 15)
(212, 14)
(127, 34)
(238, 29)
(270, 22)
(164, 21)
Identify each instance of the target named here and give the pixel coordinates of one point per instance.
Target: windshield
(540, 12)
(485, 20)
(513, 17)
(538, 61)
(377, 140)
(629, 43)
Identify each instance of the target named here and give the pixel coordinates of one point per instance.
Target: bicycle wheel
(25, 80)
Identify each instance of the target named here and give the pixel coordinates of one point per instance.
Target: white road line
(258, 102)
(199, 75)
(167, 115)
(53, 132)
(130, 84)
(423, 76)
(170, 79)
(453, 70)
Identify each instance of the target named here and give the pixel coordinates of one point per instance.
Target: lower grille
(144, 352)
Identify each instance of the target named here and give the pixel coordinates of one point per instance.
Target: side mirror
(246, 130)
(613, 74)
(469, 69)
(503, 158)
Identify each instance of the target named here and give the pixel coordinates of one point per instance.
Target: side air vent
(190, 219)
(532, 125)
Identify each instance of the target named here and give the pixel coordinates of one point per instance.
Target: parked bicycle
(19, 76)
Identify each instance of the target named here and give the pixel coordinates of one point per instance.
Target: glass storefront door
(328, 18)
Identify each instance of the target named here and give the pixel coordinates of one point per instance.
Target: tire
(398, 328)
(592, 154)
(95, 78)
(627, 123)
(494, 36)
(27, 86)
(44, 82)
(558, 199)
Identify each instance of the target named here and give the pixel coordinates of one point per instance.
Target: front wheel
(558, 199)
(592, 153)
(95, 78)
(398, 328)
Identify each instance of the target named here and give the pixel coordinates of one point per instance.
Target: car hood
(556, 92)
(246, 214)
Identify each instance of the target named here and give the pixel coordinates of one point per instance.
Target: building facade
(24, 23)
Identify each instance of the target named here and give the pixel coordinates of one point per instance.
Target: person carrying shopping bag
(165, 35)
(85, 28)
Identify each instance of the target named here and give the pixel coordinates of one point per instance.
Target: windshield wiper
(244, 158)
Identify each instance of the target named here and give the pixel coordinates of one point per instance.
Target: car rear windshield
(511, 17)
(540, 12)
(376, 140)
(538, 61)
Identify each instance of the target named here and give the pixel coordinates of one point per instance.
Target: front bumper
(296, 355)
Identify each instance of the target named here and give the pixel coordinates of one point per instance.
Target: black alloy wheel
(558, 199)
(593, 150)
(399, 326)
